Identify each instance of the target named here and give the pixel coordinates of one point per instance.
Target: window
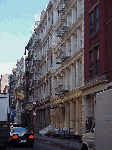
(50, 86)
(52, 18)
(96, 60)
(44, 88)
(96, 19)
(51, 61)
(91, 63)
(75, 76)
(76, 13)
(48, 43)
(90, 23)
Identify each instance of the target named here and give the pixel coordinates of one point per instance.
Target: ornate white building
(56, 60)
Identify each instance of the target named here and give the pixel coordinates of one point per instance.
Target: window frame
(91, 63)
(90, 23)
(96, 60)
(96, 18)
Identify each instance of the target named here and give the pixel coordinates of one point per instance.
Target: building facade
(16, 95)
(19, 91)
(55, 66)
(4, 83)
(68, 62)
(12, 97)
(98, 51)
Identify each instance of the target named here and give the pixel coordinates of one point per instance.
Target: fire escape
(62, 57)
(61, 10)
(61, 88)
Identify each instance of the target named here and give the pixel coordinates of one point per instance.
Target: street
(38, 146)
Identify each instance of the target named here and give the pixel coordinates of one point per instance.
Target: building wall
(102, 37)
(4, 82)
(19, 72)
(55, 53)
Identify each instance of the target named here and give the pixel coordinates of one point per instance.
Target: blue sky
(16, 20)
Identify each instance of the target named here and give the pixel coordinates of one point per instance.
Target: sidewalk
(67, 143)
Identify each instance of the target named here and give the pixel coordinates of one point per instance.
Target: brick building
(97, 53)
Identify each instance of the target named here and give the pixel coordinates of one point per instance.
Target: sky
(16, 20)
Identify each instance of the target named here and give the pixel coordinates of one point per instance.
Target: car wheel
(84, 147)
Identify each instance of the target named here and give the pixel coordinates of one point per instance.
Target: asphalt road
(38, 146)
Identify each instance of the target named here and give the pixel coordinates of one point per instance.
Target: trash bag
(48, 130)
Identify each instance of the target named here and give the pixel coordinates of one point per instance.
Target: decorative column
(68, 19)
(42, 119)
(82, 70)
(58, 117)
(67, 47)
(77, 74)
(61, 116)
(73, 15)
(54, 123)
(67, 115)
(52, 85)
(72, 122)
(43, 90)
(82, 115)
(48, 87)
(79, 8)
(50, 40)
(55, 116)
(66, 78)
(78, 38)
(53, 61)
(60, 110)
(72, 78)
(77, 116)
(72, 44)
(51, 116)
(47, 21)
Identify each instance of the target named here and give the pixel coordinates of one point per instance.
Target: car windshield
(20, 130)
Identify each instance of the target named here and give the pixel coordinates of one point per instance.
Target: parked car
(21, 135)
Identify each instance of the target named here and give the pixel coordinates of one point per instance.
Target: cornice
(93, 84)
(77, 92)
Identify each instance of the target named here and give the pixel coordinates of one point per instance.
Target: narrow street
(56, 75)
(38, 146)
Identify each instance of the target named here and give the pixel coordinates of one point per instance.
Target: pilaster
(77, 74)
(78, 38)
(82, 114)
(66, 79)
(67, 115)
(72, 105)
(61, 117)
(77, 117)
(73, 14)
(78, 8)
(72, 44)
